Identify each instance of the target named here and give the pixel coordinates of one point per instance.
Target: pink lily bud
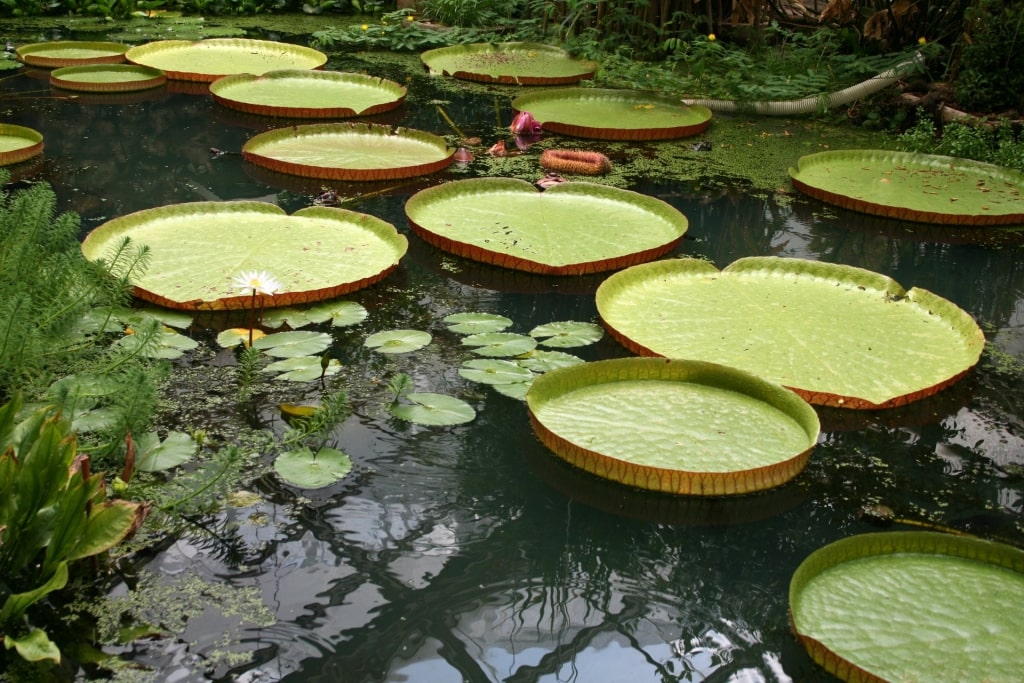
(525, 123)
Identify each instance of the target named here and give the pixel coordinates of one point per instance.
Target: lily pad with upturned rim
(207, 60)
(18, 143)
(912, 606)
(107, 78)
(349, 151)
(676, 426)
(837, 335)
(60, 53)
(926, 188)
(509, 63)
(196, 249)
(569, 229)
(612, 114)
(308, 94)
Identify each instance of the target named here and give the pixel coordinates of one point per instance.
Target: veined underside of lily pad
(60, 53)
(349, 151)
(205, 61)
(197, 249)
(925, 188)
(912, 606)
(837, 335)
(18, 143)
(107, 78)
(613, 114)
(308, 94)
(683, 427)
(509, 63)
(570, 229)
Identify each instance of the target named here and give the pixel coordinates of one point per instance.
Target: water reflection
(471, 553)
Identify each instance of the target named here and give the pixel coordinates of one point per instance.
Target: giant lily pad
(60, 53)
(571, 228)
(510, 63)
(18, 143)
(608, 114)
(912, 606)
(197, 249)
(207, 60)
(107, 78)
(683, 427)
(308, 94)
(837, 335)
(349, 151)
(926, 188)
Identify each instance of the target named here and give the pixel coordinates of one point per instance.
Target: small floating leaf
(567, 334)
(154, 455)
(170, 345)
(340, 313)
(497, 344)
(293, 344)
(476, 323)
(494, 371)
(292, 411)
(238, 335)
(303, 368)
(545, 361)
(310, 470)
(434, 409)
(516, 390)
(397, 341)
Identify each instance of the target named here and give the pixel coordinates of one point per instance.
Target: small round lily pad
(927, 188)
(59, 53)
(676, 426)
(509, 63)
(107, 78)
(18, 143)
(613, 114)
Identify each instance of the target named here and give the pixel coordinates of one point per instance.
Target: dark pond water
(472, 554)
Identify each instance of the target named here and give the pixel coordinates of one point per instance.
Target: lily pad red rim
(589, 97)
(585, 72)
(133, 78)
(723, 380)
(35, 54)
(251, 151)
(650, 205)
(32, 139)
(902, 161)
(151, 54)
(221, 91)
(877, 546)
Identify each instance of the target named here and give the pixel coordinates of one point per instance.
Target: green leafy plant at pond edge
(1001, 144)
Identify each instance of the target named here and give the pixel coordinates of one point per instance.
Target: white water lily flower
(257, 282)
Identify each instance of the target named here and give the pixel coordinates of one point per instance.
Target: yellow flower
(712, 37)
(365, 27)
(410, 17)
(257, 283)
(922, 40)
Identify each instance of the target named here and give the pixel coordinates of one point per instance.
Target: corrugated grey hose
(809, 105)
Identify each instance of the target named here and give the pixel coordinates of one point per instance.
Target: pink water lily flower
(524, 123)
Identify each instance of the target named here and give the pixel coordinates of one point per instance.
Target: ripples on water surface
(470, 553)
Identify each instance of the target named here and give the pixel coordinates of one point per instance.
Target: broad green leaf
(838, 335)
(569, 229)
(303, 368)
(197, 250)
(34, 646)
(545, 361)
(512, 63)
(236, 336)
(476, 323)
(914, 187)
(498, 344)
(494, 371)
(137, 316)
(109, 523)
(293, 344)
(610, 114)
(169, 345)
(397, 341)
(207, 60)
(308, 94)
(90, 420)
(884, 602)
(340, 313)
(433, 409)
(516, 390)
(676, 426)
(309, 470)
(567, 334)
(16, 604)
(153, 455)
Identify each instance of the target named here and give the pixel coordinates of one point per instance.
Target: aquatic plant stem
(451, 123)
